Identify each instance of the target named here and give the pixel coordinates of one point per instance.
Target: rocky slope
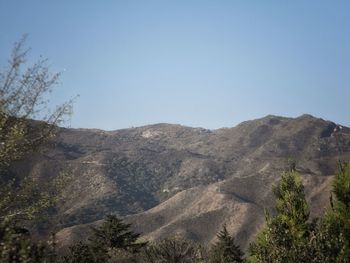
(168, 179)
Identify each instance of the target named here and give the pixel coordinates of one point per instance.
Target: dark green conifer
(225, 249)
(172, 250)
(81, 252)
(115, 234)
(106, 241)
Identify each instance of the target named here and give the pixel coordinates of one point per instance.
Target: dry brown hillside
(168, 179)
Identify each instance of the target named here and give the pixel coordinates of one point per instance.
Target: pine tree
(81, 252)
(332, 238)
(286, 234)
(115, 234)
(112, 238)
(225, 250)
(172, 250)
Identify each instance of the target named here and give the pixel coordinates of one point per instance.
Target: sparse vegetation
(23, 95)
(289, 236)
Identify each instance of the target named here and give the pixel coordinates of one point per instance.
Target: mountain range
(169, 179)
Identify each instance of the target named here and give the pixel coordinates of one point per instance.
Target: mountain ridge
(167, 179)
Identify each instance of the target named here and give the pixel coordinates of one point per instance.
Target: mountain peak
(306, 116)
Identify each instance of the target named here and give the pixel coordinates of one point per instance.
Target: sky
(198, 63)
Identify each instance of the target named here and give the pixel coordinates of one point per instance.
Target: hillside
(168, 179)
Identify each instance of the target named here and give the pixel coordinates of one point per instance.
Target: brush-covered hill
(168, 179)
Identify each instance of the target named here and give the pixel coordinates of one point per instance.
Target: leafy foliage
(23, 95)
(16, 246)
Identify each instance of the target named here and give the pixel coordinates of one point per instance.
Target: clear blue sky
(198, 63)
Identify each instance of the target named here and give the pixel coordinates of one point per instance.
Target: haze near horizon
(196, 63)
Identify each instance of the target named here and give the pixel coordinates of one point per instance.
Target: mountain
(167, 179)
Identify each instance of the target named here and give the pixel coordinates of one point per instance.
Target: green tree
(81, 252)
(286, 235)
(331, 242)
(173, 250)
(23, 96)
(16, 246)
(115, 234)
(110, 240)
(225, 249)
